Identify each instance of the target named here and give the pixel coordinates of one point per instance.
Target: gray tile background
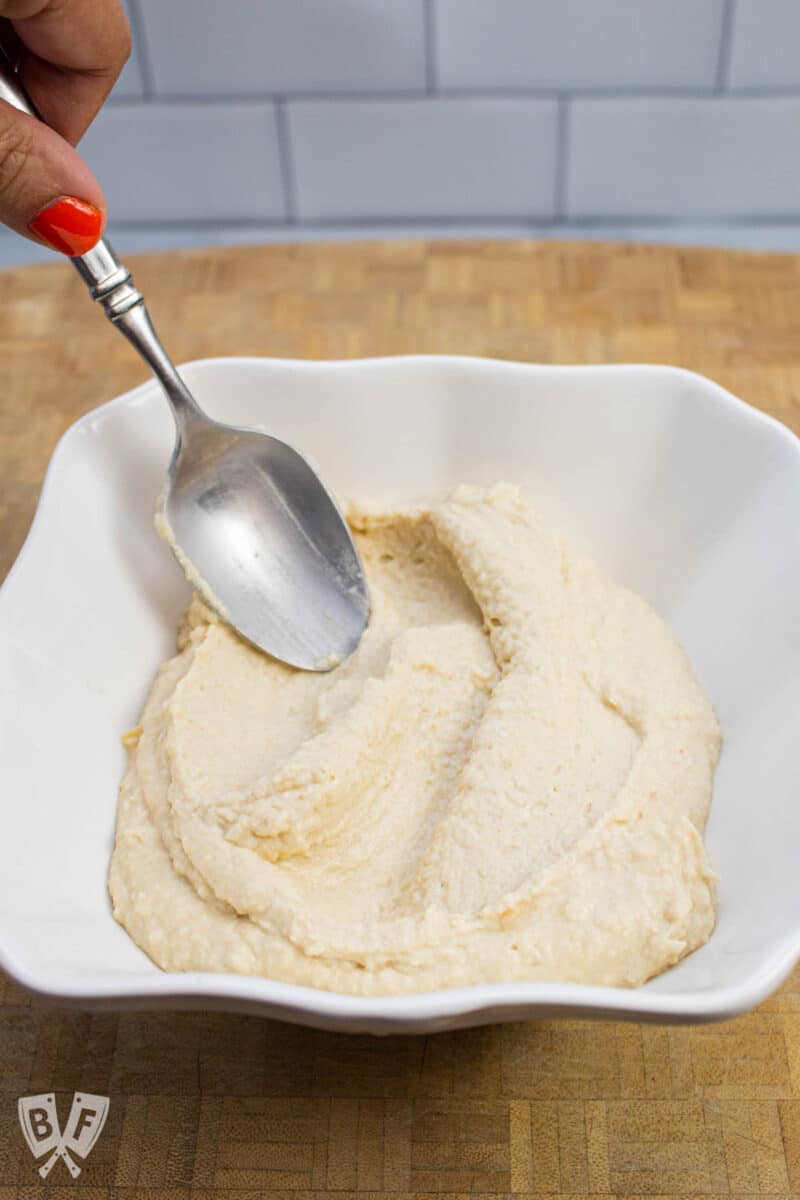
(289, 119)
(423, 158)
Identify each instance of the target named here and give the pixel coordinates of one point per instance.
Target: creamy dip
(509, 779)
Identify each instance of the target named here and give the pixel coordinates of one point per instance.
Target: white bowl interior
(680, 491)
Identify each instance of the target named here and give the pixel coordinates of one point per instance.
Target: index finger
(73, 52)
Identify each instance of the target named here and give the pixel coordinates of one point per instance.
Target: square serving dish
(678, 489)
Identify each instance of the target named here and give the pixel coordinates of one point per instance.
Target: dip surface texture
(508, 780)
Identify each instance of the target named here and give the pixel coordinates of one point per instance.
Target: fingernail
(70, 225)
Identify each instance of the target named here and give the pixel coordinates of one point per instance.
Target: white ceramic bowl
(677, 488)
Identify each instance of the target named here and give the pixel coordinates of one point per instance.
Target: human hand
(69, 54)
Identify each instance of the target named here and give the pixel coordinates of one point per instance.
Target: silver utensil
(251, 523)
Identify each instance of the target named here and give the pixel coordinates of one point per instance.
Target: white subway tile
(678, 157)
(239, 46)
(423, 158)
(765, 46)
(174, 162)
(577, 43)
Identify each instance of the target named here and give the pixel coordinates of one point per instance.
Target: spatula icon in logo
(39, 1121)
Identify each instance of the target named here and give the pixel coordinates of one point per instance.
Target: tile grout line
(142, 49)
(429, 45)
(563, 142)
(286, 160)
(725, 46)
(600, 95)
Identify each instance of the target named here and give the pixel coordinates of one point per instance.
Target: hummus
(508, 780)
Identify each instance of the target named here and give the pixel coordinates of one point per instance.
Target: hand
(69, 54)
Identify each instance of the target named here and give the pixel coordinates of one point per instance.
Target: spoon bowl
(264, 543)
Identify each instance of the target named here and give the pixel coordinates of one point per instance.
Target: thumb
(47, 191)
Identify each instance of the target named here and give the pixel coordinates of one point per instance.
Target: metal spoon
(251, 523)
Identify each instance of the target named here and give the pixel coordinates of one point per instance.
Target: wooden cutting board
(206, 1105)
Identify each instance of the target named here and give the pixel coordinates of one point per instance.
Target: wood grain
(209, 1106)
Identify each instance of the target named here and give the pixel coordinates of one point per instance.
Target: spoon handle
(110, 284)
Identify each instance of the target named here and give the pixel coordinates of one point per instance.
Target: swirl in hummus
(508, 780)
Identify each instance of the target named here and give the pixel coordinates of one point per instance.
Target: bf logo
(39, 1121)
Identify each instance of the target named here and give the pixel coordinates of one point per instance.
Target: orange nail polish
(70, 225)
